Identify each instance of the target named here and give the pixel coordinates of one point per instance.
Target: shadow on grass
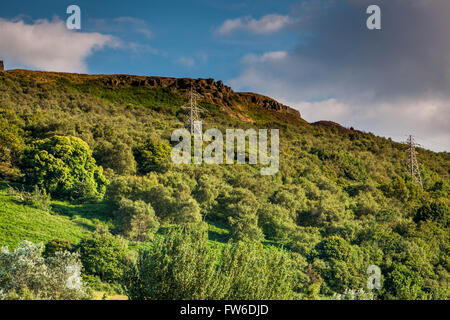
(99, 211)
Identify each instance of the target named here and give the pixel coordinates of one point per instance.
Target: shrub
(403, 283)
(435, 211)
(242, 206)
(334, 248)
(151, 156)
(103, 255)
(26, 274)
(57, 245)
(117, 156)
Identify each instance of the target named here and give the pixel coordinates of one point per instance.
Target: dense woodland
(89, 197)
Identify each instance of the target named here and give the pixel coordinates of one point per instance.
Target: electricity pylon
(413, 165)
(192, 112)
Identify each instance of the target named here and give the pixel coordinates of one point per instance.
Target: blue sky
(317, 56)
(182, 41)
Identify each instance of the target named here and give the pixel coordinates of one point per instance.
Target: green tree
(242, 207)
(137, 219)
(403, 283)
(64, 166)
(151, 156)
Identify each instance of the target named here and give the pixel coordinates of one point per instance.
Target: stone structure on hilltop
(2, 67)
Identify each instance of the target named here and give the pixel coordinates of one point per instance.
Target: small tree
(137, 219)
(151, 156)
(242, 207)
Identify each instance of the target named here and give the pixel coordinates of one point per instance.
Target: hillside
(341, 201)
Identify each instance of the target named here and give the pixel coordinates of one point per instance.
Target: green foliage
(137, 219)
(334, 248)
(183, 266)
(64, 166)
(404, 284)
(435, 211)
(11, 148)
(117, 156)
(151, 156)
(332, 182)
(242, 207)
(103, 255)
(57, 245)
(26, 274)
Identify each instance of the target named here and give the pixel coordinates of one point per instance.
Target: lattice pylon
(193, 112)
(413, 165)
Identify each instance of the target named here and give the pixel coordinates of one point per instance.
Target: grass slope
(19, 222)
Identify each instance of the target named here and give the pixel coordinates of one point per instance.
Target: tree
(103, 255)
(137, 219)
(182, 265)
(11, 148)
(276, 222)
(403, 283)
(436, 211)
(64, 166)
(241, 207)
(117, 156)
(151, 156)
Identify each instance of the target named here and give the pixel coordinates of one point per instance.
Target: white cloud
(185, 61)
(267, 24)
(267, 56)
(49, 46)
(139, 25)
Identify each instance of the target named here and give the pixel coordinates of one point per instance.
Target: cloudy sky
(315, 55)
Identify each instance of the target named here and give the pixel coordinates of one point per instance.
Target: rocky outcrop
(214, 92)
(2, 67)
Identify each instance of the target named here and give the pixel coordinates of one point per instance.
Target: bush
(151, 156)
(403, 283)
(436, 211)
(57, 245)
(64, 166)
(334, 248)
(103, 255)
(26, 274)
(242, 207)
(276, 222)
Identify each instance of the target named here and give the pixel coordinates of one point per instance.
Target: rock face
(213, 91)
(2, 67)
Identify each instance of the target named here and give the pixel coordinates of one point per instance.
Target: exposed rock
(2, 67)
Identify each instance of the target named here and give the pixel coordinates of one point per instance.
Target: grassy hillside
(341, 201)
